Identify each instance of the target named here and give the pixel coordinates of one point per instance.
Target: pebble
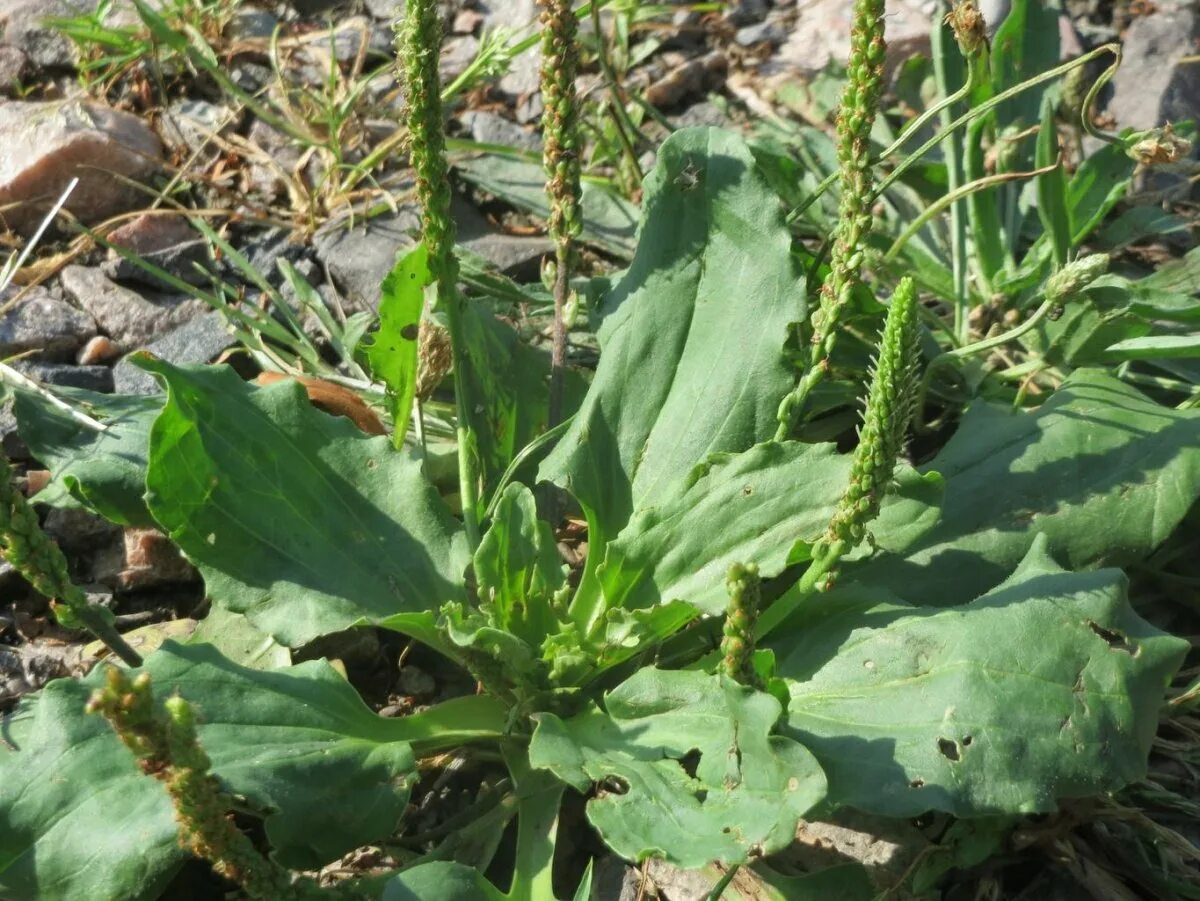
(130, 318)
(98, 350)
(44, 144)
(39, 322)
(492, 128)
(13, 63)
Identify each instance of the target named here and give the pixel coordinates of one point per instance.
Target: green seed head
(419, 40)
(737, 643)
(885, 421)
(1075, 276)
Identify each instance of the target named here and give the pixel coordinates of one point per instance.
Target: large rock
(128, 317)
(168, 242)
(44, 145)
(40, 323)
(1154, 84)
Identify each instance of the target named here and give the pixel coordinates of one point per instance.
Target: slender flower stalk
(561, 147)
(163, 739)
(419, 42)
(737, 643)
(40, 561)
(881, 440)
(860, 103)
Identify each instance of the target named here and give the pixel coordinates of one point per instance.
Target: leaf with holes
(687, 767)
(294, 517)
(1047, 687)
(78, 819)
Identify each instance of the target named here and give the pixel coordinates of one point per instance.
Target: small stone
(38, 322)
(766, 32)
(416, 682)
(696, 76)
(36, 480)
(189, 126)
(705, 113)
(167, 242)
(130, 318)
(90, 378)
(249, 23)
(43, 145)
(466, 22)
(13, 62)
(98, 350)
(199, 340)
(492, 128)
(385, 9)
(457, 53)
(152, 560)
(77, 530)
(746, 12)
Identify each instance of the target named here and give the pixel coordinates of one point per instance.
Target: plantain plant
(764, 629)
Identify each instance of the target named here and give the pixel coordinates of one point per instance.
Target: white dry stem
(7, 274)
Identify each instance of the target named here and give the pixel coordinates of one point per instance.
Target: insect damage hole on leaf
(1113, 638)
(949, 749)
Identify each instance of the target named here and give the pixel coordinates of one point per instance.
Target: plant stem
(860, 103)
(419, 43)
(42, 564)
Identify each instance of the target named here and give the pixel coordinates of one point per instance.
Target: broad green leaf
(1047, 687)
(752, 507)
(1103, 472)
(1052, 185)
(392, 348)
(78, 819)
(239, 641)
(1025, 45)
(1156, 347)
(1182, 275)
(1099, 184)
(295, 518)
(692, 339)
(609, 220)
(749, 787)
(441, 880)
(518, 568)
(509, 383)
(1096, 318)
(104, 471)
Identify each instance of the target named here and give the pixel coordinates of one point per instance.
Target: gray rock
(769, 31)
(40, 323)
(249, 23)
(385, 9)
(705, 113)
(746, 12)
(190, 125)
(167, 242)
(77, 530)
(44, 145)
(359, 258)
(130, 318)
(199, 341)
(11, 443)
(93, 378)
(415, 681)
(492, 128)
(1154, 86)
(13, 62)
